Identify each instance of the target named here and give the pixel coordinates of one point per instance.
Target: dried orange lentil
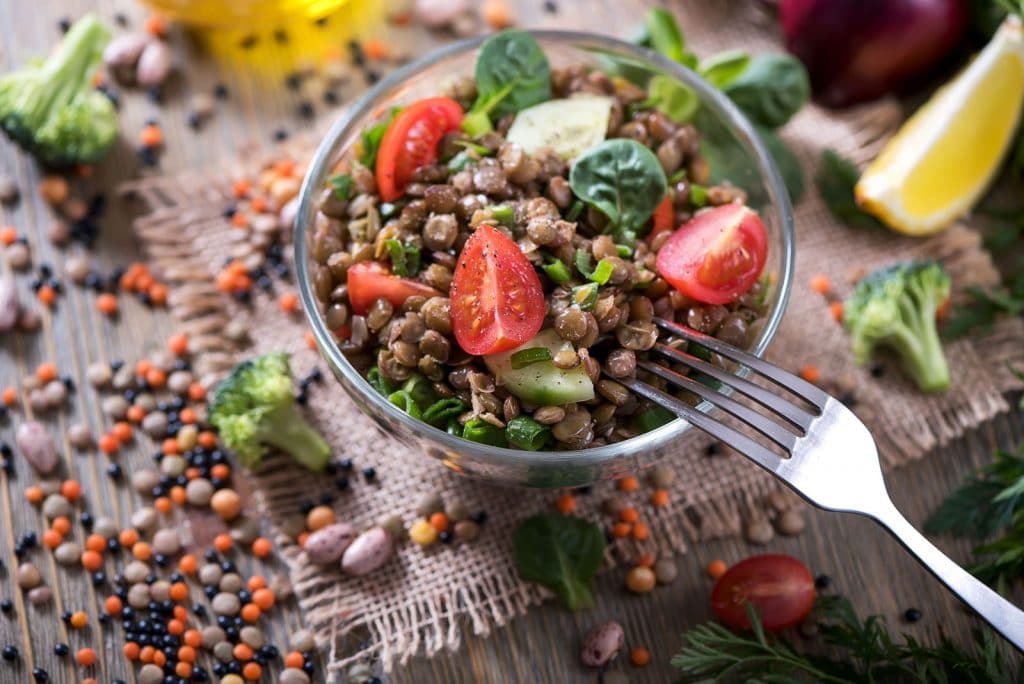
(810, 373)
(52, 539)
(178, 344)
(566, 503)
(92, 561)
(716, 568)
(151, 136)
(106, 304)
(262, 547)
(640, 531)
(628, 484)
(836, 309)
(222, 542)
(639, 656)
(61, 525)
(264, 598)
(86, 657)
(142, 551)
(10, 396)
(659, 497)
(821, 284)
(45, 372)
(34, 494)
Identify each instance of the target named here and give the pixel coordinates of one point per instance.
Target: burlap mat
(420, 602)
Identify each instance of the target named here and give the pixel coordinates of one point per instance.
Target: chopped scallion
(405, 259)
(504, 214)
(443, 411)
(478, 430)
(404, 401)
(624, 251)
(603, 272)
(698, 195)
(343, 186)
(528, 357)
(585, 296)
(583, 263)
(557, 271)
(526, 433)
(574, 211)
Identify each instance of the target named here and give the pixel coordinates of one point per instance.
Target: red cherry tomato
(496, 297)
(780, 587)
(717, 255)
(369, 281)
(663, 218)
(411, 142)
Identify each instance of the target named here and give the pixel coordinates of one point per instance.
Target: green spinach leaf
(662, 33)
(723, 68)
(343, 186)
(371, 137)
(671, 98)
(512, 73)
(836, 179)
(771, 89)
(562, 553)
(622, 179)
(789, 165)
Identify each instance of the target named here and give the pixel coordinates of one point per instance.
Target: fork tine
(767, 427)
(737, 440)
(792, 413)
(785, 379)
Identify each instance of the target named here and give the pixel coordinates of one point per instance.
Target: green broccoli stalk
(52, 110)
(895, 307)
(254, 408)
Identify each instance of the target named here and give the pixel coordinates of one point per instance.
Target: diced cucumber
(542, 383)
(569, 127)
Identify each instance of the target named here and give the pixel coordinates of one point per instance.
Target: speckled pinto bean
(601, 644)
(369, 551)
(327, 544)
(36, 445)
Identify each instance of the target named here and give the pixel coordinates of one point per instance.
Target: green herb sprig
(562, 553)
(860, 650)
(990, 502)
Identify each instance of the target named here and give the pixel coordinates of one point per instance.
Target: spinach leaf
(836, 179)
(730, 162)
(371, 137)
(343, 186)
(624, 180)
(771, 89)
(723, 68)
(789, 165)
(512, 73)
(671, 98)
(562, 553)
(664, 35)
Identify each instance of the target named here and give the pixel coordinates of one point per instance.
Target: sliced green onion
(583, 262)
(404, 401)
(585, 296)
(444, 411)
(624, 251)
(454, 428)
(528, 357)
(504, 214)
(603, 272)
(476, 124)
(698, 195)
(460, 161)
(557, 271)
(574, 211)
(653, 417)
(677, 176)
(477, 430)
(526, 433)
(478, 149)
(343, 186)
(405, 259)
(421, 390)
(379, 382)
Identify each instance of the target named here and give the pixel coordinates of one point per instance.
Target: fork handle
(1002, 615)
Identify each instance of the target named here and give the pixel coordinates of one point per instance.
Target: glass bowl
(738, 152)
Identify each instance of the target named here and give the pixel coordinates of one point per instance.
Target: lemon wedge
(942, 159)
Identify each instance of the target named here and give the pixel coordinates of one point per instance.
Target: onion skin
(859, 50)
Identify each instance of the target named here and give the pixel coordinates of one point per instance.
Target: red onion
(857, 50)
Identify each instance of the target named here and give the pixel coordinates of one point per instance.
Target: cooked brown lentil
(441, 209)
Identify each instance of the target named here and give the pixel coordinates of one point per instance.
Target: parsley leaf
(836, 178)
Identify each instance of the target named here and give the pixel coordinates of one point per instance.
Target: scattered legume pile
(479, 280)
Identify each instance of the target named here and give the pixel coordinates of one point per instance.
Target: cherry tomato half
(411, 142)
(717, 255)
(496, 297)
(369, 281)
(662, 219)
(780, 587)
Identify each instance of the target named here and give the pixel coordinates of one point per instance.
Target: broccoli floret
(52, 109)
(895, 307)
(254, 408)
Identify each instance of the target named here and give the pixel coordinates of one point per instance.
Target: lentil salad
(494, 267)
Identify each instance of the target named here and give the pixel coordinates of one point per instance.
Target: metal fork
(832, 460)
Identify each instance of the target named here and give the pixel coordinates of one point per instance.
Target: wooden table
(543, 646)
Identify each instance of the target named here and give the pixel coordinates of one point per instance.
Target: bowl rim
(723, 109)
